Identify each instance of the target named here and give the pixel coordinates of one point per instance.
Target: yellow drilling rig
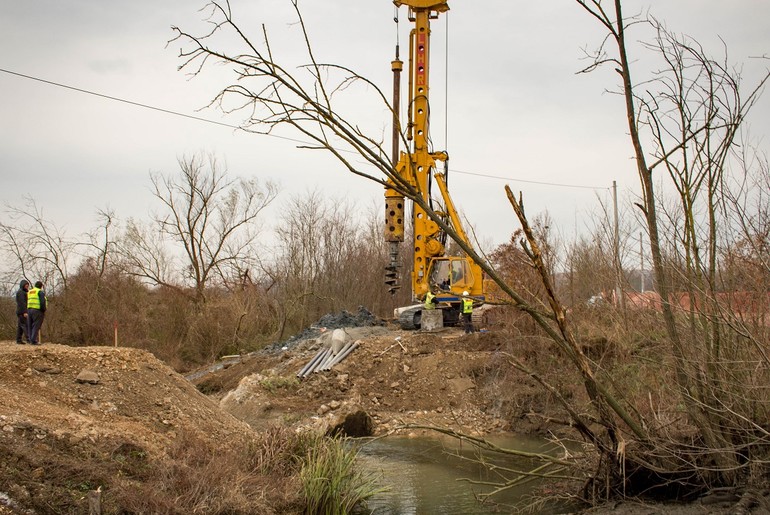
(433, 270)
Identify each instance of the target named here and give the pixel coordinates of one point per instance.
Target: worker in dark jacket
(36, 305)
(22, 329)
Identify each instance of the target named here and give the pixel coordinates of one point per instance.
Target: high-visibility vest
(429, 304)
(33, 298)
(467, 305)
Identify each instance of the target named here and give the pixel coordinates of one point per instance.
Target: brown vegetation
(670, 403)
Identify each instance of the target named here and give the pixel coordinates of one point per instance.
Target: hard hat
(465, 294)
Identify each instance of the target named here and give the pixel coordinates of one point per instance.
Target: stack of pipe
(325, 359)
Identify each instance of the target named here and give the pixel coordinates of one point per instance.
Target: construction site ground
(396, 377)
(58, 398)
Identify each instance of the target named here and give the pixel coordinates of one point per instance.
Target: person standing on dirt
(468, 312)
(36, 306)
(22, 329)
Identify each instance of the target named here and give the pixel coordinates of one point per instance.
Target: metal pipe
(327, 359)
(343, 355)
(320, 360)
(396, 66)
(330, 361)
(311, 362)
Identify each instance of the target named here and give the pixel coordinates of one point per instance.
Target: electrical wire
(223, 124)
(541, 183)
(139, 104)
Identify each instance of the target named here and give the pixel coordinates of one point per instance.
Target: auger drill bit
(391, 271)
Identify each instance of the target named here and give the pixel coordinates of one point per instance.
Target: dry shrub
(279, 451)
(200, 477)
(93, 303)
(515, 396)
(630, 351)
(7, 318)
(50, 475)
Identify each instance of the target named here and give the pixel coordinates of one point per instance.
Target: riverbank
(74, 419)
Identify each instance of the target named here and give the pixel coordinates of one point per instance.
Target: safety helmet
(465, 294)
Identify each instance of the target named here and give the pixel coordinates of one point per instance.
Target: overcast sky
(516, 107)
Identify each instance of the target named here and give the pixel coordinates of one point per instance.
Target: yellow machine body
(416, 166)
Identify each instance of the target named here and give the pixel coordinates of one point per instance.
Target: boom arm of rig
(432, 268)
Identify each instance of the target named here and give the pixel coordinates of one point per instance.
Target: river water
(426, 475)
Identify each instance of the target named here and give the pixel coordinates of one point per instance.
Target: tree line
(201, 278)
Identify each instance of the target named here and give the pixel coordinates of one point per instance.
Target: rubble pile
(341, 320)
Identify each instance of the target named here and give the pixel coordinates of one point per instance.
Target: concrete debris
(339, 339)
(363, 318)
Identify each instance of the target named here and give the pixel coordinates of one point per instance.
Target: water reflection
(425, 474)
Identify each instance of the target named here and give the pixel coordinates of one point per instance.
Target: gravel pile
(363, 318)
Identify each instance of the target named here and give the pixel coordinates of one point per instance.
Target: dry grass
(331, 482)
(278, 472)
(54, 476)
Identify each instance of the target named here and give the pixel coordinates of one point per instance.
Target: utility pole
(618, 298)
(641, 259)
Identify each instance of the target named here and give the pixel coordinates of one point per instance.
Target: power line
(138, 104)
(223, 124)
(542, 183)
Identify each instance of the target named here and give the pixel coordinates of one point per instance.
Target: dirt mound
(397, 377)
(72, 419)
(95, 392)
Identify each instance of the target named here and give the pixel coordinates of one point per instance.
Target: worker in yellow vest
(430, 300)
(468, 313)
(36, 306)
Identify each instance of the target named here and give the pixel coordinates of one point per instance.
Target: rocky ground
(396, 377)
(74, 417)
(66, 396)
(75, 394)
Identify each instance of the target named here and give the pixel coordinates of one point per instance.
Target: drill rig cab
(415, 169)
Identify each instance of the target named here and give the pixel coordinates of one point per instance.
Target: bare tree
(102, 241)
(209, 220)
(35, 248)
(274, 96)
(326, 260)
(686, 126)
(747, 256)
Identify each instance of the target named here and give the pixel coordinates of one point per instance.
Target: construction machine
(432, 269)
